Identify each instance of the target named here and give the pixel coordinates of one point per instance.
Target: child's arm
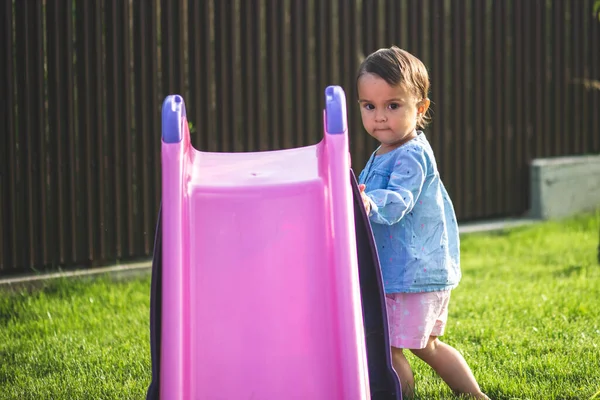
(390, 205)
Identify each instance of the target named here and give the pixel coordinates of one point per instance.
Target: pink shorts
(413, 317)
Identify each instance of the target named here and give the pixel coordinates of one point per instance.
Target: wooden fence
(83, 82)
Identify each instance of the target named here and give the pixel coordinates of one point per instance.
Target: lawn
(526, 317)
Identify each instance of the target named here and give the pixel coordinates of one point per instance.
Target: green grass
(76, 339)
(526, 316)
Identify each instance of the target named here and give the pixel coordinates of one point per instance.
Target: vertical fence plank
(298, 73)
(146, 109)
(248, 31)
(223, 70)
(126, 128)
(588, 73)
(434, 71)
(313, 127)
(8, 220)
(53, 180)
(520, 133)
(478, 103)
(349, 62)
(528, 96)
(548, 78)
(467, 129)
(391, 23)
(239, 116)
(6, 80)
(436, 109)
(489, 109)
(270, 137)
(38, 95)
(577, 58)
(455, 121)
(361, 152)
(558, 67)
(86, 129)
(264, 74)
(285, 85)
(136, 135)
(199, 42)
(97, 142)
(498, 123)
(114, 119)
(196, 114)
(172, 42)
(30, 111)
(119, 117)
(368, 45)
(508, 135)
(594, 95)
(60, 127)
(540, 68)
(69, 15)
(414, 28)
(141, 84)
(211, 55)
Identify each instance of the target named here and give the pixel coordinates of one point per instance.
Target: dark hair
(398, 68)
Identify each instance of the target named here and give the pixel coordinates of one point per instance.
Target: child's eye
(369, 106)
(394, 106)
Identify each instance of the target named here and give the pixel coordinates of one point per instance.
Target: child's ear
(423, 106)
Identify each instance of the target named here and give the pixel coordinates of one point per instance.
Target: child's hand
(365, 198)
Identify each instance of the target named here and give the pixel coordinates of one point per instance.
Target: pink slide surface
(260, 286)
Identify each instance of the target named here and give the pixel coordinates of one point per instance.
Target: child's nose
(380, 116)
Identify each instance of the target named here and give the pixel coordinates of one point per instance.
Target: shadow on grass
(569, 271)
(16, 303)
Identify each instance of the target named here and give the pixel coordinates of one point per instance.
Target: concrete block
(564, 186)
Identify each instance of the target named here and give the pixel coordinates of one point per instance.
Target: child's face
(389, 114)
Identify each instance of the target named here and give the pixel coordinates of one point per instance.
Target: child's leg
(450, 366)
(404, 372)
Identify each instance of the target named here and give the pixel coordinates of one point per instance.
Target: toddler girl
(412, 217)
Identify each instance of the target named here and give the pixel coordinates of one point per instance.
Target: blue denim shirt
(413, 220)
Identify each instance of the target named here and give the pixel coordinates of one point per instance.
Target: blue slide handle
(173, 110)
(335, 110)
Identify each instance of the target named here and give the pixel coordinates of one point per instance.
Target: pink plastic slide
(259, 289)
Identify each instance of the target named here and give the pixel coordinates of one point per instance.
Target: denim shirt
(413, 220)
